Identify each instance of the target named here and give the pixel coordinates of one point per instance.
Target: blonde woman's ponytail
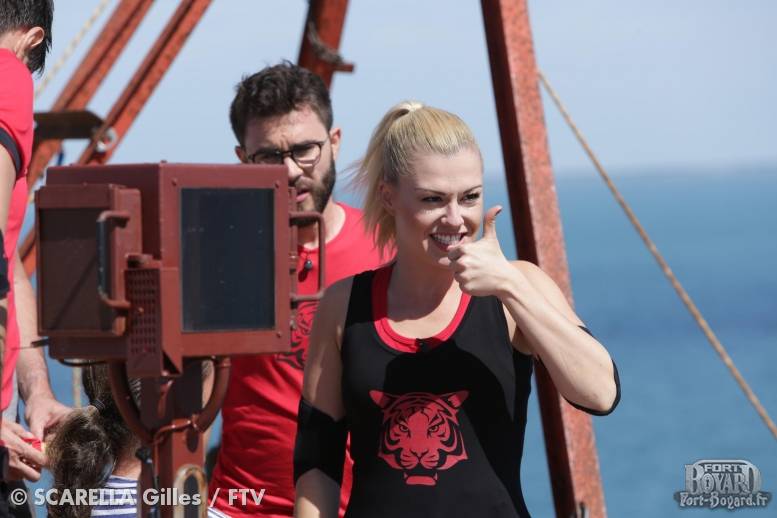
(408, 129)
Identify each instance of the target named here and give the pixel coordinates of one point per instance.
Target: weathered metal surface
(569, 438)
(135, 95)
(91, 71)
(326, 19)
(65, 124)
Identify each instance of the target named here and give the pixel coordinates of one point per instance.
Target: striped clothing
(119, 497)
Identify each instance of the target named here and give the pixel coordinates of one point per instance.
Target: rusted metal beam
(80, 89)
(90, 73)
(146, 78)
(569, 438)
(135, 95)
(321, 39)
(65, 124)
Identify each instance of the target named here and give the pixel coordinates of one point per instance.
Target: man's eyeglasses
(304, 155)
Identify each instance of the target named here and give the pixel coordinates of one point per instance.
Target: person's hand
(43, 413)
(24, 461)
(481, 268)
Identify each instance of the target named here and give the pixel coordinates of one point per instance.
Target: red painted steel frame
(569, 438)
(140, 88)
(146, 78)
(82, 86)
(329, 18)
(91, 71)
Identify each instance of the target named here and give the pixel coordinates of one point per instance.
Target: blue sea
(718, 231)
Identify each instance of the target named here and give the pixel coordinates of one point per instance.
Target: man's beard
(320, 193)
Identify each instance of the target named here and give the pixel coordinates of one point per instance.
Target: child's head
(87, 446)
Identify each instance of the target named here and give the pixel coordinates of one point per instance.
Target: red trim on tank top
(395, 340)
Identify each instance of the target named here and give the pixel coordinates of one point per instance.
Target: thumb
(489, 222)
(36, 428)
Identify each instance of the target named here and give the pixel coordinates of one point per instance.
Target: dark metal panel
(569, 438)
(65, 124)
(70, 258)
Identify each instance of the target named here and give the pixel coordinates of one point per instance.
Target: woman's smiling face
(438, 205)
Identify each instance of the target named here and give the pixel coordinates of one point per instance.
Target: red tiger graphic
(421, 433)
(299, 336)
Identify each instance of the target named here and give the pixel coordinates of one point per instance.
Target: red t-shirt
(260, 410)
(16, 120)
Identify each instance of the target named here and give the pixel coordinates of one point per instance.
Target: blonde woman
(427, 361)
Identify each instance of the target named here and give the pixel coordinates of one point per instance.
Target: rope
(323, 51)
(71, 47)
(77, 381)
(713, 340)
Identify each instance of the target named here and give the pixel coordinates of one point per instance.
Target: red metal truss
(81, 87)
(569, 438)
(146, 78)
(137, 92)
(91, 71)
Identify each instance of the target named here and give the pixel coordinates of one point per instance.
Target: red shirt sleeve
(16, 104)
(16, 120)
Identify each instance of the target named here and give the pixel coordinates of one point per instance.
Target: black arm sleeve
(617, 389)
(9, 144)
(614, 403)
(4, 285)
(320, 443)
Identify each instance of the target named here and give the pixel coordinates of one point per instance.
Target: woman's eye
(431, 199)
(471, 197)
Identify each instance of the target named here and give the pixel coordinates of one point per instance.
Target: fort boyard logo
(722, 484)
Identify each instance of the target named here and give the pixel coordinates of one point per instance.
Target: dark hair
(88, 444)
(26, 14)
(278, 90)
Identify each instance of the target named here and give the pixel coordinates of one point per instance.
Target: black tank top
(436, 425)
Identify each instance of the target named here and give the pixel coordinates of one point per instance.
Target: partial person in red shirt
(283, 115)
(25, 39)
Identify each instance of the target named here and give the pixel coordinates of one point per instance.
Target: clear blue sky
(654, 85)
